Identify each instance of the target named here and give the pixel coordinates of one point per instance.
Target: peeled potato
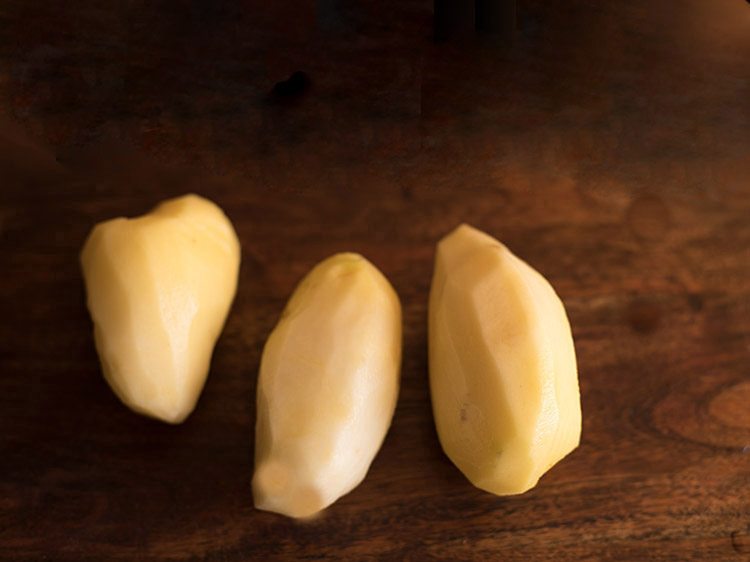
(503, 375)
(327, 388)
(159, 289)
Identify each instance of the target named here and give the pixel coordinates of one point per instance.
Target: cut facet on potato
(327, 388)
(159, 289)
(503, 374)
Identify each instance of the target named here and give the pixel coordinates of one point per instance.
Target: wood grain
(609, 146)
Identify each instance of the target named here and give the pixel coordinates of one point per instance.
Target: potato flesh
(503, 374)
(327, 388)
(159, 290)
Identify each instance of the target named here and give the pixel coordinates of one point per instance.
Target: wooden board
(609, 146)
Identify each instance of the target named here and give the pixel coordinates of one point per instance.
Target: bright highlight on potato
(503, 374)
(159, 289)
(327, 389)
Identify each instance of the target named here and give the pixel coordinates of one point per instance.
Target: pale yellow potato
(327, 389)
(159, 289)
(503, 374)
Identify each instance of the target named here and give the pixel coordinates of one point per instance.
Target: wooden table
(609, 146)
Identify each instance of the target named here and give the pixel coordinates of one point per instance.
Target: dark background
(609, 146)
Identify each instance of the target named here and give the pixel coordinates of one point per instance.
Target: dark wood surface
(609, 146)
